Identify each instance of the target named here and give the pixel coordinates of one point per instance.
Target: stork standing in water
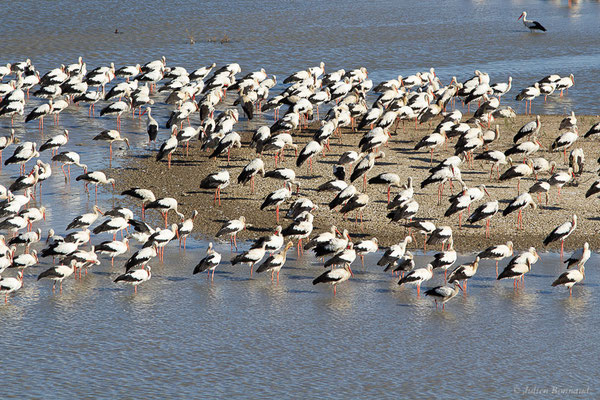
(464, 272)
(135, 277)
(530, 24)
(58, 273)
(275, 262)
(185, 227)
(497, 253)
(39, 113)
(55, 142)
(250, 257)
(85, 220)
(208, 263)
(6, 141)
(10, 285)
(141, 257)
(110, 136)
(344, 257)
(116, 108)
(443, 293)
(151, 126)
(113, 248)
(570, 278)
(22, 154)
(445, 259)
(334, 277)
(69, 158)
(417, 277)
(529, 94)
(113, 225)
(562, 232)
(365, 247)
(580, 256)
(95, 178)
(516, 272)
(300, 229)
(565, 83)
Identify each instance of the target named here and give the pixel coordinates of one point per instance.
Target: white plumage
(210, 262)
(136, 277)
(417, 277)
(10, 285)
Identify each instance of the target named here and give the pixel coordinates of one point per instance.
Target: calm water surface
(182, 336)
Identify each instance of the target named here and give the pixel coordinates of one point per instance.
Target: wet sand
(183, 179)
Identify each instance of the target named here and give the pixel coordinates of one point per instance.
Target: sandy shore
(183, 179)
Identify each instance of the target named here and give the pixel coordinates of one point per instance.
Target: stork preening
(443, 293)
(135, 277)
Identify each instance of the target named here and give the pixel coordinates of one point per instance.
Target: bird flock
(343, 98)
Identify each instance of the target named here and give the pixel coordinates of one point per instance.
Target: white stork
(443, 293)
(39, 113)
(520, 202)
(562, 232)
(58, 273)
(111, 136)
(334, 277)
(570, 278)
(217, 180)
(164, 205)
(10, 285)
(208, 263)
(135, 277)
(464, 272)
(530, 24)
(417, 277)
(113, 248)
(55, 142)
(232, 228)
(145, 195)
(497, 253)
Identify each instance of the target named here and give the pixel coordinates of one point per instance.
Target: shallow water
(182, 336)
